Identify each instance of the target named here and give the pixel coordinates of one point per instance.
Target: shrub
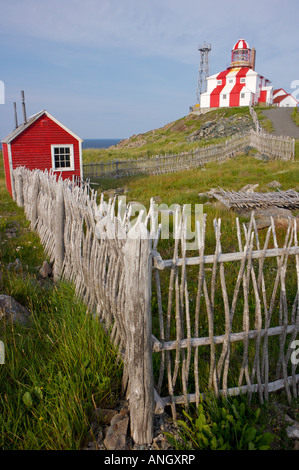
(221, 425)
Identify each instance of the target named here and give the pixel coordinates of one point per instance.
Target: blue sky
(114, 68)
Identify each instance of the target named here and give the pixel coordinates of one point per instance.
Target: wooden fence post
(59, 231)
(20, 195)
(34, 196)
(138, 321)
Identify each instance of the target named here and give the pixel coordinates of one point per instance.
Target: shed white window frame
(243, 80)
(72, 162)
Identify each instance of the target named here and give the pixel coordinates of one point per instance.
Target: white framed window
(242, 80)
(231, 80)
(62, 157)
(242, 95)
(219, 82)
(224, 97)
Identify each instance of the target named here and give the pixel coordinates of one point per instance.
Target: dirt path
(282, 122)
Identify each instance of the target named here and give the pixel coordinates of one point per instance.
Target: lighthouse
(239, 84)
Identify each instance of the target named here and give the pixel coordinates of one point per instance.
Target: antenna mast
(203, 72)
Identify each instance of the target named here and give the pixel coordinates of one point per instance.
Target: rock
(11, 232)
(12, 310)
(247, 149)
(280, 216)
(204, 196)
(293, 431)
(15, 266)
(103, 416)
(46, 270)
(250, 188)
(274, 184)
(262, 157)
(117, 433)
(296, 446)
(211, 192)
(288, 419)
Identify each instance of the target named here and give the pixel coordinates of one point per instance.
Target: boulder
(250, 188)
(280, 217)
(11, 310)
(15, 266)
(293, 431)
(46, 270)
(274, 184)
(116, 436)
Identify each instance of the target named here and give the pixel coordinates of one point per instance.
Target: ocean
(99, 143)
(95, 143)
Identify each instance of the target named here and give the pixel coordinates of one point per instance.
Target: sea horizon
(94, 143)
(99, 143)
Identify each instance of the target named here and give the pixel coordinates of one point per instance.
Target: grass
(295, 116)
(265, 122)
(183, 187)
(168, 139)
(59, 367)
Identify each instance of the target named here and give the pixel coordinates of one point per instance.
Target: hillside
(194, 128)
(187, 132)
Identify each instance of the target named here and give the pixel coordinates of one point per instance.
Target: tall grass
(58, 367)
(56, 371)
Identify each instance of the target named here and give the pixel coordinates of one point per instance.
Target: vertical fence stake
(34, 196)
(138, 263)
(20, 195)
(59, 232)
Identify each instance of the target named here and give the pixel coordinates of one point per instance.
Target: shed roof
(30, 121)
(280, 98)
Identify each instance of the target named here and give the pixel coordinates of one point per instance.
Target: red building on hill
(42, 142)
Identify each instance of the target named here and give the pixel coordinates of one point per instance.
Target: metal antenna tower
(203, 72)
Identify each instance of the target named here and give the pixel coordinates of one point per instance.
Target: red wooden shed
(42, 142)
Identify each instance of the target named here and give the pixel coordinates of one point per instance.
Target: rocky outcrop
(222, 127)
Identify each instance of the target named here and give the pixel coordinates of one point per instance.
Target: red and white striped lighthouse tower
(239, 84)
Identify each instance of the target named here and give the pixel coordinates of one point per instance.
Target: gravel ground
(282, 122)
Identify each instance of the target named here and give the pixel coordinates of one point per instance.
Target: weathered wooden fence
(159, 164)
(221, 322)
(274, 147)
(233, 333)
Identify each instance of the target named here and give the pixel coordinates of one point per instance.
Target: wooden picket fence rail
(159, 164)
(274, 147)
(185, 326)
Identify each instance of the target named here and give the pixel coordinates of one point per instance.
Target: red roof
(280, 98)
(241, 44)
(278, 90)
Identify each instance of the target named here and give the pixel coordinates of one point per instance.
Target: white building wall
(288, 101)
